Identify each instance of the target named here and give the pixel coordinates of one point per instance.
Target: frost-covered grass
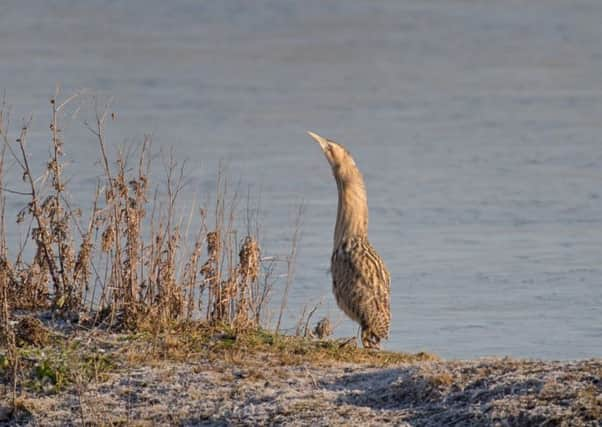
(193, 374)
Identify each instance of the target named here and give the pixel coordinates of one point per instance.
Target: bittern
(360, 279)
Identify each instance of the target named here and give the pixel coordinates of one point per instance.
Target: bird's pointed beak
(320, 140)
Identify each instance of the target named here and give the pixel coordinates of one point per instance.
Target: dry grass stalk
(192, 271)
(45, 260)
(248, 271)
(55, 257)
(290, 264)
(210, 271)
(7, 333)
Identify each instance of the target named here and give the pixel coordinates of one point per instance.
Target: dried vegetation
(128, 262)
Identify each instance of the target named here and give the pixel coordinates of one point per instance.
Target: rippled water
(476, 123)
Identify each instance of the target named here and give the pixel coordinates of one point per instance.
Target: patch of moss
(64, 362)
(220, 343)
(211, 341)
(4, 363)
(49, 371)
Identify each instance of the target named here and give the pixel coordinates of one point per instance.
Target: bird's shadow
(379, 389)
(429, 398)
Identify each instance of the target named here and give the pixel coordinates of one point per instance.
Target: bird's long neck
(352, 212)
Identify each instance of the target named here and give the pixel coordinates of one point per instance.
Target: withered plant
(131, 263)
(7, 281)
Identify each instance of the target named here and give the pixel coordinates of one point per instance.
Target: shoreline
(195, 375)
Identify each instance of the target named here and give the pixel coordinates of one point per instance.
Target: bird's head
(340, 159)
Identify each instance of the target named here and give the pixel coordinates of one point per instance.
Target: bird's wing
(361, 266)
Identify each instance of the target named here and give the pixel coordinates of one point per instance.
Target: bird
(360, 279)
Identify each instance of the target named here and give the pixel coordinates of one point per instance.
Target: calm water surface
(476, 123)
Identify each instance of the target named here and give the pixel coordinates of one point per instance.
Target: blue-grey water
(477, 125)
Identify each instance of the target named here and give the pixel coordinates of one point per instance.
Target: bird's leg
(369, 340)
(365, 338)
(375, 342)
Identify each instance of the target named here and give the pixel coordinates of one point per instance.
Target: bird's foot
(370, 341)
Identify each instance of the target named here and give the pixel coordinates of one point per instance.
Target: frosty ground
(196, 375)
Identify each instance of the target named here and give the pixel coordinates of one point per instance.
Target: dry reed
(127, 265)
(7, 333)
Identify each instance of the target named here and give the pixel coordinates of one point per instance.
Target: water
(476, 124)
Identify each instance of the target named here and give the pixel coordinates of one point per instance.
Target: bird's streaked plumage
(360, 279)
